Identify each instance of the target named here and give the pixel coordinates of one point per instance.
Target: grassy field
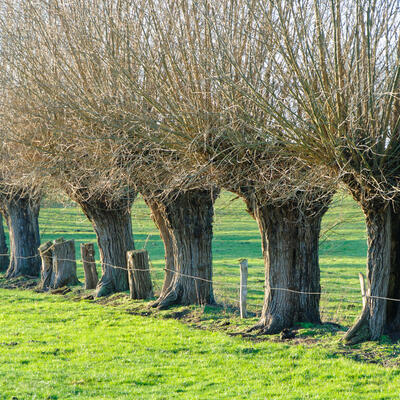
(62, 347)
(236, 235)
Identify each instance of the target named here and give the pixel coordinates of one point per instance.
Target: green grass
(56, 347)
(236, 235)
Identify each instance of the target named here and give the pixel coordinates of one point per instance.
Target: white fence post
(243, 288)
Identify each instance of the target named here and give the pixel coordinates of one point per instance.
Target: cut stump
(89, 265)
(58, 264)
(64, 263)
(46, 254)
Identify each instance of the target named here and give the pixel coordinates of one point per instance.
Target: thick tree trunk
(22, 214)
(292, 276)
(307, 266)
(279, 245)
(4, 258)
(393, 307)
(372, 322)
(188, 218)
(161, 223)
(113, 227)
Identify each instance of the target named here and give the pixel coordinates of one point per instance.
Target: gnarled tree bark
(4, 258)
(290, 235)
(161, 223)
(113, 226)
(185, 222)
(372, 321)
(22, 212)
(393, 307)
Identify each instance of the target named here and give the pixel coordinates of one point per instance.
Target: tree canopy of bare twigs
(331, 95)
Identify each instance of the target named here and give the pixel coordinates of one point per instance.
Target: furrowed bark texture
(290, 249)
(161, 223)
(4, 258)
(307, 265)
(372, 321)
(187, 217)
(113, 227)
(111, 221)
(22, 214)
(393, 307)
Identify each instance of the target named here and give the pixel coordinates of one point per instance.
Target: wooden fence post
(140, 284)
(89, 265)
(243, 288)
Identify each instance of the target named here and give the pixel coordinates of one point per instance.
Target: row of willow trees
(279, 102)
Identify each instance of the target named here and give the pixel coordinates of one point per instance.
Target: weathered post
(243, 288)
(64, 263)
(89, 265)
(140, 284)
(46, 254)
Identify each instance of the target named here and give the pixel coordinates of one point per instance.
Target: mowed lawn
(52, 347)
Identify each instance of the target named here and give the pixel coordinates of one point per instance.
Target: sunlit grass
(52, 347)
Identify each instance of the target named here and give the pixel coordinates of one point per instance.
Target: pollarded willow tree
(45, 134)
(85, 48)
(20, 205)
(334, 98)
(200, 118)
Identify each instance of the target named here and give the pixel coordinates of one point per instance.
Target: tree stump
(140, 284)
(46, 254)
(89, 265)
(64, 264)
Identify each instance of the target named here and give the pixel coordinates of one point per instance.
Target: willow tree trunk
(372, 322)
(4, 258)
(187, 217)
(290, 250)
(307, 265)
(383, 270)
(161, 223)
(113, 227)
(22, 214)
(393, 307)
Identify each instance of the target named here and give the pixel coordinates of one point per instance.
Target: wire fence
(332, 302)
(338, 302)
